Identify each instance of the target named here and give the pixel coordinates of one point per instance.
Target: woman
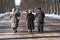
(13, 20)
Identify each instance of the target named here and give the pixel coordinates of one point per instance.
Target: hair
(30, 11)
(13, 9)
(39, 8)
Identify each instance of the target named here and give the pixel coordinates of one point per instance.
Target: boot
(14, 30)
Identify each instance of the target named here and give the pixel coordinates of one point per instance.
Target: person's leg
(31, 27)
(31, 30)
(15, 28)
(38, 27)
(41, 28)
(28, 27)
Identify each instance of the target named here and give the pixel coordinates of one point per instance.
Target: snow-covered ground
(5, 14)
(2, 15)
(53, 16)
(47, 15)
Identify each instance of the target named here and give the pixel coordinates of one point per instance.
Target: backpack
(18, 14)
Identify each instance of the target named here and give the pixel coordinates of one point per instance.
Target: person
(40, 15)
(14, 20)
(30, 21)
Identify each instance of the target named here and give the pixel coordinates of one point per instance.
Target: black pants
(16, 26)
(40, 27)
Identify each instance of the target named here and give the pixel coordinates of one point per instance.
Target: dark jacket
(41, 17)
(30, 19)
(16, 16)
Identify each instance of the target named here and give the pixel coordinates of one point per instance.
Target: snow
(46, 15)
(1, 15)
(53, 16)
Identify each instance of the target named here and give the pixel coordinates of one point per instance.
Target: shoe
(28, 30)
(14, 30)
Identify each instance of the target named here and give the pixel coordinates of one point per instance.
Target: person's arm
(36, 15)
(10, 16)
(18, 15)
(27, 17)
(33, 17)
(43, 14)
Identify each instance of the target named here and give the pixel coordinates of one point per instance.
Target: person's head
(13, 9)
(30, 11)
(39, 8)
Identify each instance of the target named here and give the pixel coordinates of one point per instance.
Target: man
(17, 16)
(30, 21)
(40, 19)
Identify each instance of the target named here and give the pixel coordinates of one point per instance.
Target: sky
(17, 2)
